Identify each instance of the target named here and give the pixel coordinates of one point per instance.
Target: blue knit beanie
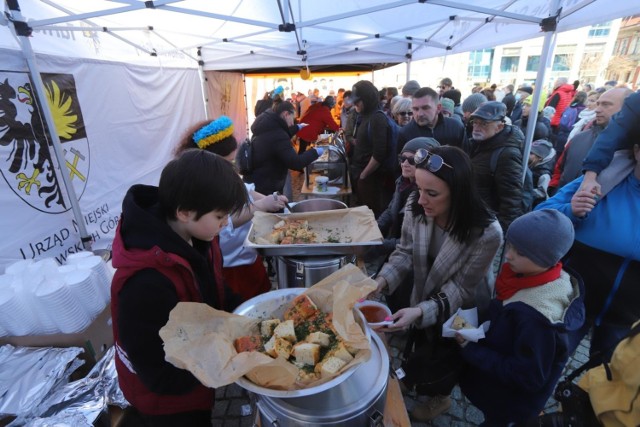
(543, 236)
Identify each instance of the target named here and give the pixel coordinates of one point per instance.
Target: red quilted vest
(128, 262)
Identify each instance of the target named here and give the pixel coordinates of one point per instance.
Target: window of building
(561, 62)
(600, 30)
(624, 43)
(480, 63)
(533, 62)
(634, 48)
(509, 64)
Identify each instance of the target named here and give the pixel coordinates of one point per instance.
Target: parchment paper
(200, 338)
(353, 225)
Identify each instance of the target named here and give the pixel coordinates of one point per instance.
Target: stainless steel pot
(296, 272)
(356, 402)
(315, 205)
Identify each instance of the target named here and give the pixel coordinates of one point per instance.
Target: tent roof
(287, 34)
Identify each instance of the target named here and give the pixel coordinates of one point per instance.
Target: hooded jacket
(542, 130)
(156, 269)
(514, 370)
(541, 174)
(501, 190)
(273, 154)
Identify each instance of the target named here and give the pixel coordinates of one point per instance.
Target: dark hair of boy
(222, 148)
(467, 210)
(202, 182)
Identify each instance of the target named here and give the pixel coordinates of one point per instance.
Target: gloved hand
(320, 150)
(301, 125)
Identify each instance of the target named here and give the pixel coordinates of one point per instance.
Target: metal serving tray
(311, 249)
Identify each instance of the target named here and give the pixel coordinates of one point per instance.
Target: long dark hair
(467, 209)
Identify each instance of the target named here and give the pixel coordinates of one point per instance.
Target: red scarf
(508, 282)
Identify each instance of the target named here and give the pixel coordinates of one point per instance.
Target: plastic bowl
(374, 312)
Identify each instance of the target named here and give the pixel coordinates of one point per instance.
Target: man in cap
(471, 104)
(445, 85)
(521, 94)
(501, 188)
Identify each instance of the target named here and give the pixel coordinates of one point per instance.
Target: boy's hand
(271, 203)
(589, 183)
(460, 340)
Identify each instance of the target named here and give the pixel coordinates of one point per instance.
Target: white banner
(225, 92)
(118, 125)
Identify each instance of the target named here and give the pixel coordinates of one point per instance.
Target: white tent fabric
(255, 34)
(133, 68)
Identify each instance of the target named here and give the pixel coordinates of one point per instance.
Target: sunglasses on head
(405, 113)
(433, 163)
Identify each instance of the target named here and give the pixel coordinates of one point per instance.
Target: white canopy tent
(155, 45)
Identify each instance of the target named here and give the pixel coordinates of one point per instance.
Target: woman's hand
(583, 202)
(272, 203)
(403, 319)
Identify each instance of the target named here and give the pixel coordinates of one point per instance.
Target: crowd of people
(459, 200)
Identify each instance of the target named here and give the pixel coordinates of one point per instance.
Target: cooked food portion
(248, 343)
(460, 323)
(291, 231)
(306, 338)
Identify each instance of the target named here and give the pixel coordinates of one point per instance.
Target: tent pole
(549, 27)
(23, 32)
(204, 83)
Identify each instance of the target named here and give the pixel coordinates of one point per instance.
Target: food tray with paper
(339, 231)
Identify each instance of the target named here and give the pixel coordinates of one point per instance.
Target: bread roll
(459, 323)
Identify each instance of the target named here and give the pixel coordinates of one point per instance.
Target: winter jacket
(448, 131)
(390, 221)
(502, 191)
(622, 132)
(606, 251)
(614, 392)
(318, 118)
(570, 165)
(156, 269)
(541, 174)
(460, 270)
(371, 133)
(560, 99)
(514, 369)
(542, 130)
(273, 154)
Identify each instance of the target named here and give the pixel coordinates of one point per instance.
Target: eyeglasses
(402, 159)
(482, 123)
(405, 113)
(433, 163)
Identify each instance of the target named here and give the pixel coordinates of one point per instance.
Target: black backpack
(527, 186)
(244, 157)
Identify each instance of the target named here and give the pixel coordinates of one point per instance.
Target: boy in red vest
(166, 251)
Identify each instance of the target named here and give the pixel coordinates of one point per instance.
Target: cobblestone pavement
(235, 407)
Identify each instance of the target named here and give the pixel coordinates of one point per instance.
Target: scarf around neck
(508, 282)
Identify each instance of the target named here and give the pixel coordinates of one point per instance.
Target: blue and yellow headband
(215, 131)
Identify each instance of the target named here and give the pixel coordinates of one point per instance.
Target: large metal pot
(296, 272)
(356, 402)
(315, 205)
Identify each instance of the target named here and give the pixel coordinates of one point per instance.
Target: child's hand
(460, 340)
